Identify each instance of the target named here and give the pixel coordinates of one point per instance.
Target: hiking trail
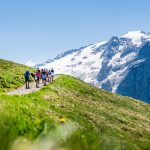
(22, 90)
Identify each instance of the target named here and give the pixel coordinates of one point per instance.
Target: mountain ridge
(104, 64)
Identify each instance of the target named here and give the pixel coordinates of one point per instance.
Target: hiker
(38, 69)
(27, 79)
(38, 72)
(37, 78)
(41, 71)
(49, 76)
(52, 74)
(44, 76)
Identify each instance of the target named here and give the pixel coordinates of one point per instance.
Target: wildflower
(62, 120)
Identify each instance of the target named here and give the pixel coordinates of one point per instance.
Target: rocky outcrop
(136, 84)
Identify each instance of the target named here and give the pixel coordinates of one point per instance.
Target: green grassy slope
(11, 75)
(93, 119)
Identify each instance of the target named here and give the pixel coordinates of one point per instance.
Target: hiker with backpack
(52, 74)
(37, 78)
(27, 79)
(49, 76)
(44, 76)
(38, 74)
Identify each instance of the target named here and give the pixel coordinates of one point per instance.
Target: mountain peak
(132, 34)
(30, 63)
(136, 37)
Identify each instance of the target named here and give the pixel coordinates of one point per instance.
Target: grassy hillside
(69, 114)
(11, 75)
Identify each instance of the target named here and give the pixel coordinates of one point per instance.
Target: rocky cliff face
(117, 57)
(136, 84)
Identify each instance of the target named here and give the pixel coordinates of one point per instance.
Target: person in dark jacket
(27, 79)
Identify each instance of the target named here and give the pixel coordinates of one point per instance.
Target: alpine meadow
(60, 116)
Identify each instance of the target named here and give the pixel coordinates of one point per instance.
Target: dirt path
(22, 90)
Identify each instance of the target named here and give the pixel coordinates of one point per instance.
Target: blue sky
(38, 30)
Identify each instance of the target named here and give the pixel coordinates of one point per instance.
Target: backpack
(27, 73)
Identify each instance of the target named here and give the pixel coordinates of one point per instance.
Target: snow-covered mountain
(106, 64)
(30, 63)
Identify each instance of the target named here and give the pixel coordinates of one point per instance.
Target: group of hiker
(44, 74)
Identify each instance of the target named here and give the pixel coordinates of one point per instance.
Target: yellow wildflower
(62, 120)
